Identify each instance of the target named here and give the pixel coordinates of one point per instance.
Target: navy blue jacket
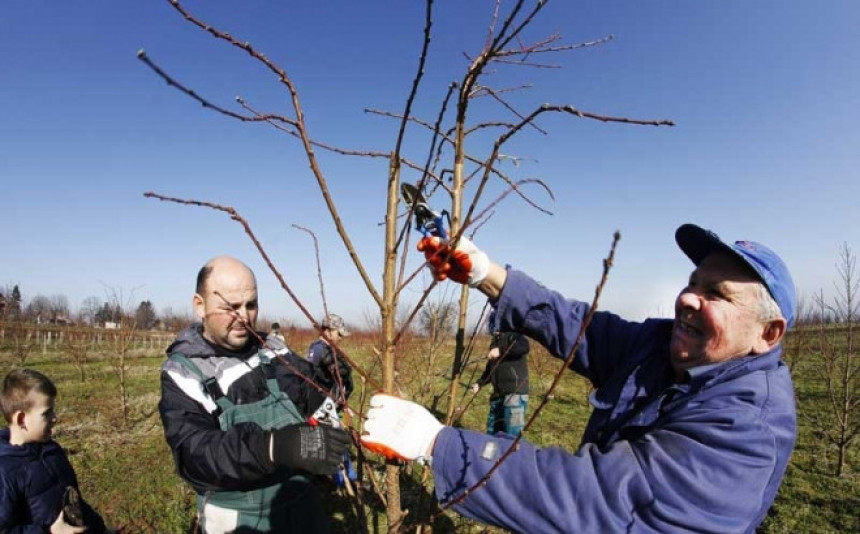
(33, 478)
(326, 369)
(705, 455)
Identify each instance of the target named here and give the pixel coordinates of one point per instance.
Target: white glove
(398, 428)
(467, 264)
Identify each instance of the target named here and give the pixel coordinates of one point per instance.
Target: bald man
(235, 405)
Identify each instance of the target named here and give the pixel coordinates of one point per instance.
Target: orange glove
(465, 264)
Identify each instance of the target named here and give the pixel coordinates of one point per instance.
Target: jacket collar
(25, 450)
(706, 374)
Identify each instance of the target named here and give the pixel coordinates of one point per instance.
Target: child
(34, 472)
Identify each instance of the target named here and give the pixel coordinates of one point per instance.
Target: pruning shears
(327, 411)
(326, 414)
(427, 221)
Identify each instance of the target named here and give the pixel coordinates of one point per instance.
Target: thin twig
(319, 265)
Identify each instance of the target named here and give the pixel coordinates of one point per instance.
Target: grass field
(126, 470)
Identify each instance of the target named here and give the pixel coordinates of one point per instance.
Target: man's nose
(689, 300)
(242, 313)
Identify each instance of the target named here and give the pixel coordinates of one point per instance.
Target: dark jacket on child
(33, 479)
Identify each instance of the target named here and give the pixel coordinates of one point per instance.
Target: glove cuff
(480, 268)
(427, 440)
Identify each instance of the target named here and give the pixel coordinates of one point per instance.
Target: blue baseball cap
(697, 243)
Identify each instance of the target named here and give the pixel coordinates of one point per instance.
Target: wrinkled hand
(466, 264)
(398, 428)
(316, 449)
(476, 387)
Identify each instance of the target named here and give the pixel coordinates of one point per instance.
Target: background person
(235, 413)
(35, 473)
(507, 370)
(276, 332)
(693, 419)
(332, 372)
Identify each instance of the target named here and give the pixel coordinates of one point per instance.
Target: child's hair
(18, 384)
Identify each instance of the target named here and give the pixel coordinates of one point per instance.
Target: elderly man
(694, 418)
(234, 407)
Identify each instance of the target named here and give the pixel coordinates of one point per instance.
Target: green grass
(126, 470)
(811, 498)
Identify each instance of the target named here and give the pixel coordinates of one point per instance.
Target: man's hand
(316, 449)
(494, 353)
(476, 387)
(465, 264)
(398, 428)
(61, 527)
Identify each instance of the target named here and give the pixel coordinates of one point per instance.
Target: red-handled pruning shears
(326, 414)
(427, 221)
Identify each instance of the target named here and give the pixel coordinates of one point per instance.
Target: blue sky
(764, 95)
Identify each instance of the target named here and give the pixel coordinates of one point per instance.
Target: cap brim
(697, 243)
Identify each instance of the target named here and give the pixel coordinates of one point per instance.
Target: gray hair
(768, 310)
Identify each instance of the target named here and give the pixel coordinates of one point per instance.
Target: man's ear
(198, 305)
(771, 334)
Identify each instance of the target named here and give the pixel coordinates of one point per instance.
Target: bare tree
(39, 309)
(59, 308)
(175, 321)
(798, 341)
(88, 309)
(448, 166)
(836, 365)
(21, 341)
(124, 337)
(120, 364)
(77, 346)
(437, 319)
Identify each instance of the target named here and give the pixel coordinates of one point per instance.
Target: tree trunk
(459, 350)
(388, 314)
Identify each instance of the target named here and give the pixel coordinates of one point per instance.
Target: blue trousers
(507, 414)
